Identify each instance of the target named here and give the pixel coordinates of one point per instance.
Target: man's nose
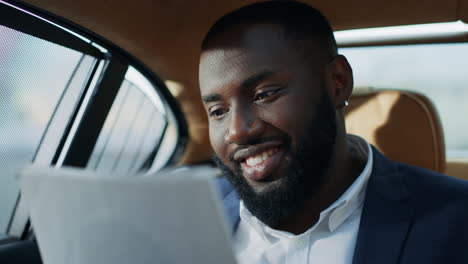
(244, 127)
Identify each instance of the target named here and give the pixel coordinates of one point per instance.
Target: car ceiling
(166, 35)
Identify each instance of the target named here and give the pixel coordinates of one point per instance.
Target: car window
(34, 76)
(71, 98)
(435, 70)
(134, 128)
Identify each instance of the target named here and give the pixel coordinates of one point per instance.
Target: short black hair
(300, 21)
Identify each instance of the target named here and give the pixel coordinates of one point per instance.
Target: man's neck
(345, 167)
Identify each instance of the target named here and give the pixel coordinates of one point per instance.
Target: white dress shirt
(331, 240)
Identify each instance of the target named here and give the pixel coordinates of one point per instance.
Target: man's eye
(219, 112)
(265, 94)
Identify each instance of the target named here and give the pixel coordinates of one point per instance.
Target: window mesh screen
(131, 133)
(33, 75)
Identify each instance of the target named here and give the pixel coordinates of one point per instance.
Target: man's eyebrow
(256, 78)
(249, 82)
(211, 98)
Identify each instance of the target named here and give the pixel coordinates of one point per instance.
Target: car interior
(113, 86)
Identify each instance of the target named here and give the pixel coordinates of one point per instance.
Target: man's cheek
(285, 116)
(217, 142)
(220, 147)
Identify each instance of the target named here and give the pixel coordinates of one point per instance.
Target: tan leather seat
(404, 125)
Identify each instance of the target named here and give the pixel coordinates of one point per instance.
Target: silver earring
(346, 103)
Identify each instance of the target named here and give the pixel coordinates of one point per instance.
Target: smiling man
(274, 88)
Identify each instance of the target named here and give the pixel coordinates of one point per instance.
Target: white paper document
(84, 217)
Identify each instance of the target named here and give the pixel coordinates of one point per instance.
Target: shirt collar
(353, 197)
(337, 213)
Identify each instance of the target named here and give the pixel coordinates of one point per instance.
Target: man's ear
(340, 81)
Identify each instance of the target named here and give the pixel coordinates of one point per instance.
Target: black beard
(304, 177)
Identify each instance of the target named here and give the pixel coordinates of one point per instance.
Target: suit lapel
(386, 215)
(231, 203)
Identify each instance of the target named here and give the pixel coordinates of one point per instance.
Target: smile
(263, 165)
(260, 158)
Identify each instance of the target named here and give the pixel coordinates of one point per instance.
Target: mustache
(284, 138)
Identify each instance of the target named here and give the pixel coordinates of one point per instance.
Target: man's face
(271, 123)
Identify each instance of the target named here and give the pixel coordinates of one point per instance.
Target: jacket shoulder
(434, 189)
(224, 186)
(421, 180)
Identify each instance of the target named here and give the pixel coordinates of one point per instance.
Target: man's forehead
(219, 65)
(235, 56)
(222, 59)
(242, 56)
(251, 39)
(247, 34)
(231, 66)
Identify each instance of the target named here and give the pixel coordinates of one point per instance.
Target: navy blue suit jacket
(410, 215)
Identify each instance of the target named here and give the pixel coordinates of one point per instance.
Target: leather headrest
(404, 125)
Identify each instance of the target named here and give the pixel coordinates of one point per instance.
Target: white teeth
(257, 159)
